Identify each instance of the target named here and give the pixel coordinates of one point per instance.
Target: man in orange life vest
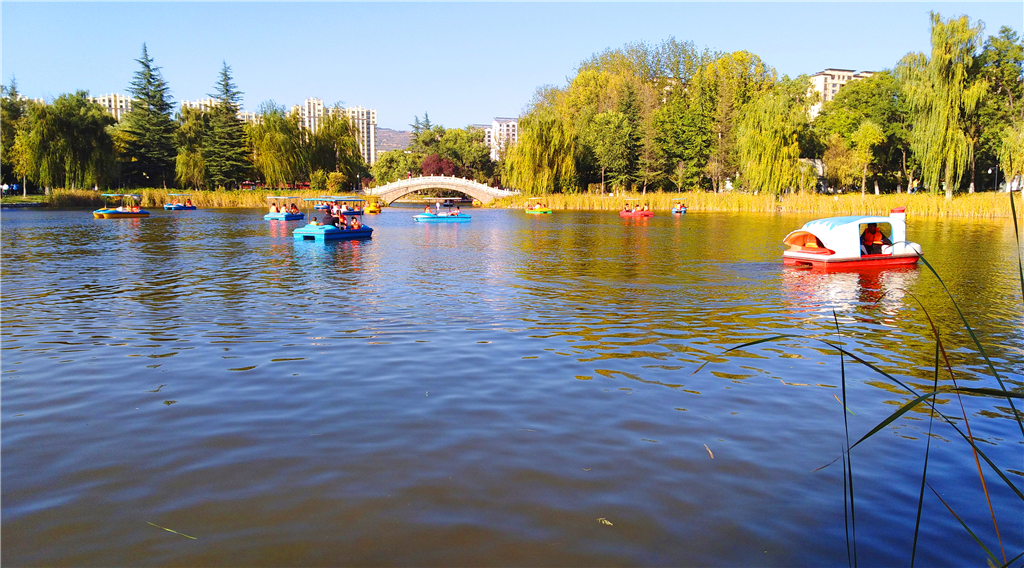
(872, 239)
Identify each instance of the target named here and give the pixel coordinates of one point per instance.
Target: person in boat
(136, 208)
(343, 208)
(188, 203)
(329, 219)
(175, 201)
(355, 225)
(295, 210)
(456, 212)
(273, 208)
(872, 239)
(427, 210)
(342, 223)
(312, 221)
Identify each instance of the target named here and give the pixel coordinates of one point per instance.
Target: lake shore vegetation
(645, 118)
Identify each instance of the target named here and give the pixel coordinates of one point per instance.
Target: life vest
(872, 238)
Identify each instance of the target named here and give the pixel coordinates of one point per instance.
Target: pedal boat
(448, 217)
(538, 210)
(834, 243)
(283, 215)
(625, 214)
(323, 233)
(123, 211)
(681, 210)
(179, 206)
(372, 207)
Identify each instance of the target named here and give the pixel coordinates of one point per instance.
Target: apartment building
(208, 104)
(501, 135)
(117, 105)
(828, 83)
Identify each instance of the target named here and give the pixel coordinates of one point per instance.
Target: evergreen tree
(149, 130)
(12, 109)
(227, 161)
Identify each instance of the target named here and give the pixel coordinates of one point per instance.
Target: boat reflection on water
(821, 291)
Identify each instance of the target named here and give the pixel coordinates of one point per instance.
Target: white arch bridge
(396, 189)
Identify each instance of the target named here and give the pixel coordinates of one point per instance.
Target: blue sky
(463, 63)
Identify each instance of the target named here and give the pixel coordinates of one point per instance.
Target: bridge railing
(380, 189)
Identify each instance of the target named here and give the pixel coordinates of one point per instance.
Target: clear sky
(463, 63)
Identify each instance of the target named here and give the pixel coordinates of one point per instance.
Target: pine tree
(149, 130)
(227, 161)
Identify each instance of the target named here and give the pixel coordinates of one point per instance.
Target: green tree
(544, 158)
(841, 165)
(334, 147)
(1012, 153)
(65, 144)
(610, 140)
(943, 90)
(1002, 66)
(768, 138)
(865, 139)
(191, 138)
(149, 158)
(227, 161)
(12, 110)
(394, 165)
(274, 145)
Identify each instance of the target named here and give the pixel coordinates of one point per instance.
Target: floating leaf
(709, 451)
(602, 520)
(169, 530)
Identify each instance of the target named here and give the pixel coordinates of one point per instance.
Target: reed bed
(980, 205)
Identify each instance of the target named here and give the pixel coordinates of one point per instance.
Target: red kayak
(636, 213)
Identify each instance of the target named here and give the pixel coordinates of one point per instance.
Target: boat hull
(284, 216)
(178, 207)
(115, 214)
(322, 233)
(627, 214)
(431, 218)
(829, 262)
(679, 211)
(538, 211)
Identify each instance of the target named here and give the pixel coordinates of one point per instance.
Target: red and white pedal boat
(836, 243)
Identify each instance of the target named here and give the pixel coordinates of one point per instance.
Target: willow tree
(768, 138)
(544, 157)
(943, 91)
(65, 144)
(1012, 154)
(334, 147)
(190, 165)
(274, 143)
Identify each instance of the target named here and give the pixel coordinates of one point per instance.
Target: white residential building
(117, 105)
(208, 104)
(501, 135)
(828, 83)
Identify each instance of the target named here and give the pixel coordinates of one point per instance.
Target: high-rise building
(501, 135)
(117, 105)
(828, 83)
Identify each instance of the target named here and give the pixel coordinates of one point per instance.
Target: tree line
(75, 143)
(436, 150)
(672, 117)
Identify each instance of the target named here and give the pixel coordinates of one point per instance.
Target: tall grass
(154, 198)
(982, 205)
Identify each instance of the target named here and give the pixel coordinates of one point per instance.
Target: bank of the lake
(977, 205)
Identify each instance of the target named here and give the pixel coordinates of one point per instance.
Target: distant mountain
(388, 139)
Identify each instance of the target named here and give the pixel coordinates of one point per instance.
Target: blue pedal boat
(449, 216)
(323, 233)
(679, 209)
(176, 206)
(283, 215)
(128, 209)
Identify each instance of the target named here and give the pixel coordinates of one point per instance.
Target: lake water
(515, 391)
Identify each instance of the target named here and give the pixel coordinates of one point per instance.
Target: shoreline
(978, 205)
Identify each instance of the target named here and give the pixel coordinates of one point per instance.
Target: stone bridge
(396, 189)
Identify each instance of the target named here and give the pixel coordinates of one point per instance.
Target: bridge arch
(485, 194)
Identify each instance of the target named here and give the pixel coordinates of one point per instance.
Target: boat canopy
(842, 234)
(180, 194)
(135, 195)
(282, 197)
